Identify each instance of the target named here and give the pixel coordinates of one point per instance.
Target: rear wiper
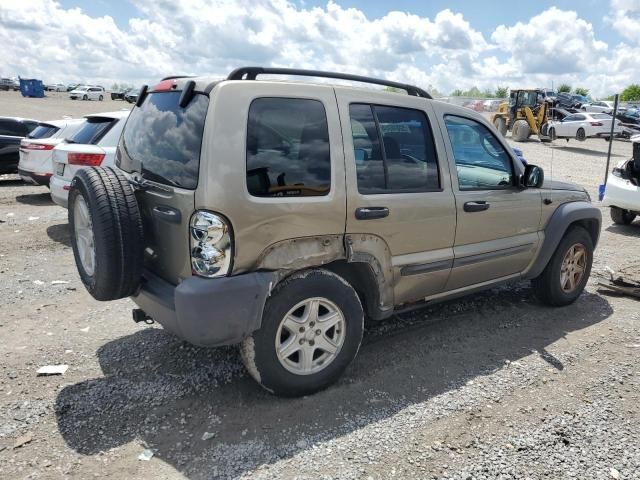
(68, 140)
(147, 175)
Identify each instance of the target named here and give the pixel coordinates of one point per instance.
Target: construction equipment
(526, 114)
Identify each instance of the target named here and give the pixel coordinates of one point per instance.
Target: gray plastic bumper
(207, 312)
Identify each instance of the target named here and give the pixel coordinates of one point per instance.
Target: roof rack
(174, 77)
(250, 73)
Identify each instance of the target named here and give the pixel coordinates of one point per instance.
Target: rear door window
(288, 148)
(393, 149)
(93, 130)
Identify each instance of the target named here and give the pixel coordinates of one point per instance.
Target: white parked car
(492, 105)
(87, 93)
(622, 193)
(582, 126)
(36, 149)
(93, 145)
(599, 107)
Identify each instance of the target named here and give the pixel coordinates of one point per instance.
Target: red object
(35, 146)
(85, 159)
(596, 124)
(67, 187)
(164, 86)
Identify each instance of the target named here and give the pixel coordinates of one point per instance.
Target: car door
(11, 132)
(497, 221)
(399, 195)
(567, 126)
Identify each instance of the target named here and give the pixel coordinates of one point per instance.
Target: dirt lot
(491, 386)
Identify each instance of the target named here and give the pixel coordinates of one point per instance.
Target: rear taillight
(211, 251)
(596, 124)
(35, 146)
(85, 159)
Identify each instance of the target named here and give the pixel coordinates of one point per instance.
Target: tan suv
(280, 214)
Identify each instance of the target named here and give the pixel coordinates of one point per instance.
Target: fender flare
(564, 216)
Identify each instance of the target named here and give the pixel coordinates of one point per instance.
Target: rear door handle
(371, 213)
(477, 206)
(168, 214)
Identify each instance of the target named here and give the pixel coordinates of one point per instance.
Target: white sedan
(582, 126)
(598, 107)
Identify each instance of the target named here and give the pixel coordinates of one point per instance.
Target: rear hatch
(35, 155)
(161, 146)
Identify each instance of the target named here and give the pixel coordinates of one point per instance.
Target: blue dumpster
(30, 87)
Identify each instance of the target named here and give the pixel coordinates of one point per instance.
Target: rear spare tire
(106, 233)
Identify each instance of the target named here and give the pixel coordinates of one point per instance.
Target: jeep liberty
(278, 214)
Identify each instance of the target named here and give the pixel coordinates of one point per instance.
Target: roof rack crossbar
(250, 73)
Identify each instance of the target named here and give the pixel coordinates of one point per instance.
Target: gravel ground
(493, 386)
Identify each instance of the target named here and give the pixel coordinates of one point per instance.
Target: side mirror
(533, 176)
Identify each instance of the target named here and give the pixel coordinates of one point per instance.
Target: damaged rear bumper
(207, 312)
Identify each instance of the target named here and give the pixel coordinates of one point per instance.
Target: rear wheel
(100, 98)
(84, 97)
(311, 330)
(621, 216)
(106, 233)
(520, 131)
(581, 135)
(500, 125)
(567, 273)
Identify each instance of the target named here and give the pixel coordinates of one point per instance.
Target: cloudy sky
(443, 44)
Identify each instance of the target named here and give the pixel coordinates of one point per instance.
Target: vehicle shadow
(36, 199)
(632, 230)
(167, 394)
(60, 233)
(585, 151)
(10, 182)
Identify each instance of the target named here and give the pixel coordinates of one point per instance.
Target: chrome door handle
(371, 213)
(477, 206)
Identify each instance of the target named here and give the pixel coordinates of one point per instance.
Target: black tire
(84, 97)
(552, 134)
(259, 350)
(500, 125)
(548, 286)
(520, 131)
(621, 216)
(100, 98)
(117, 232)
(581, 135)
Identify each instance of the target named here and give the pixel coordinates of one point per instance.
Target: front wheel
(621, 216)
(311, 330)
(84, 97)
(501, 125)
(567, 273)
(100, 98)
(581, 135)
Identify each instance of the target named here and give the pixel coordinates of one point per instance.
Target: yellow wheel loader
(526, 114)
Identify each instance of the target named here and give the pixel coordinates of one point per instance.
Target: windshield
(165, 139)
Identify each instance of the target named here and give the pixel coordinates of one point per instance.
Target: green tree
(487, 93)
(473, 92)
(457, 93)
(631, 93)
(502, 92)
(435, 93)
(564, 88)
(582, 91)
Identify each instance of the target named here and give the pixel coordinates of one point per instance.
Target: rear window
(166, 139)
(43, 130)
(93, 130)
(601, 116)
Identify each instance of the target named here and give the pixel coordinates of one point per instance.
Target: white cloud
(45, 40)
